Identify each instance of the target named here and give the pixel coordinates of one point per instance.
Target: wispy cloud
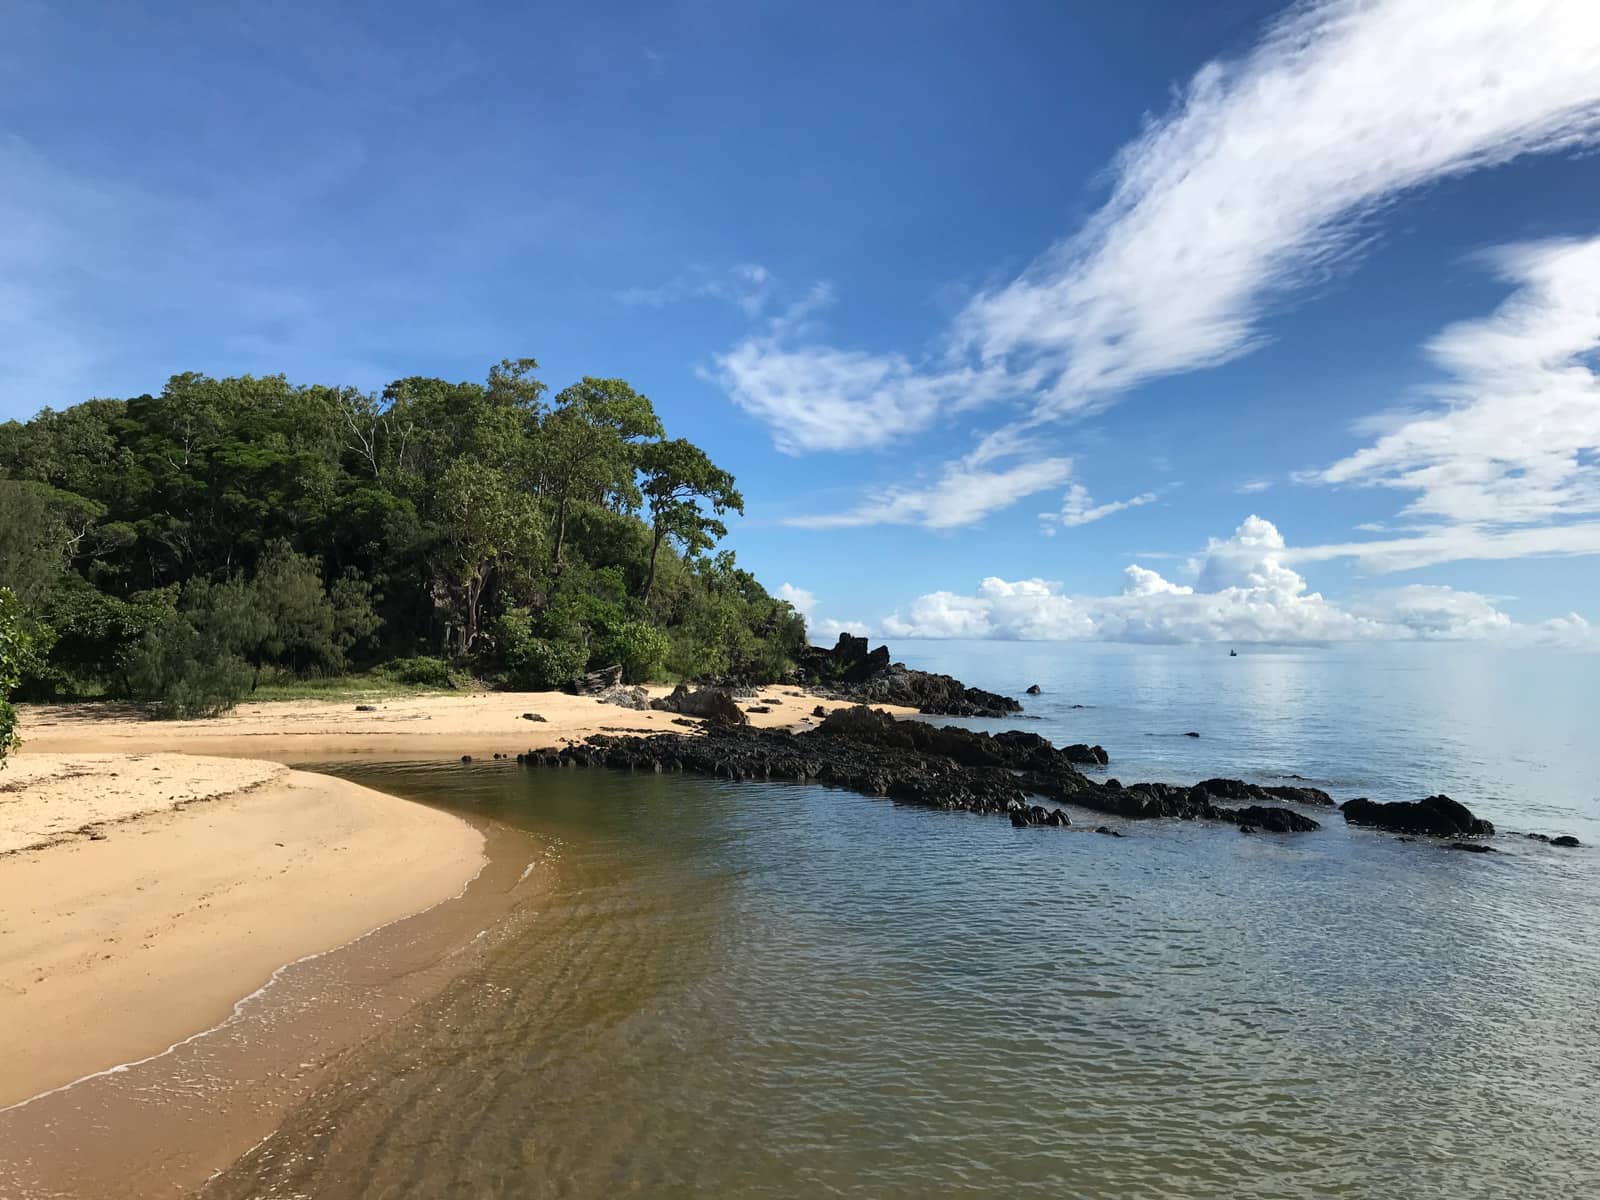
(1079, 508)
(967, 490)
(1258, 184)
(1513, 437)
(747, 285)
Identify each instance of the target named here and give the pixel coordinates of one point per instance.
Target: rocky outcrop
(596, 682)
(1238, 790)
(919, 763)
(716, 705)
(1435, 816)
(624, 697)
(850, 671)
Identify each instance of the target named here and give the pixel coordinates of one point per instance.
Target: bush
(640, 648)
(422, 671)
(185, 669)
(10, 670)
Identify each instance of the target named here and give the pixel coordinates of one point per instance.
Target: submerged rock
(1033, 689)
(1566, 839)
(1434, 816)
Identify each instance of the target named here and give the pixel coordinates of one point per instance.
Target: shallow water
(781, 990)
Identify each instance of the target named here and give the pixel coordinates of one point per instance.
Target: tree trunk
(655, 549)
(561, 528)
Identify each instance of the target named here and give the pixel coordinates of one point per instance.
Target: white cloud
(1251, 486)
(1513, 438)
(821, 630)
(1078, 508)
(1244, 593)
(967, 490)
(747, 285)
(804, 602)
(1259, 182)
(815, 397)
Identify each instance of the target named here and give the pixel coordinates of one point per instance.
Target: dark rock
(819, 711)
(1107, 830)
(366, 708)
(1238, 790)
(1274, 820)
(716, 705)
(624, 697)
(851, 672)
(917, 762)
(1037, 814)
(596, 682)
(1435, 816)
(1537, 837)
(1247, 829)
(466, 758)
(533, 717)
(758, 708)
(1033, 689)
(686, 721)
(1191, 733)
(1473, 847)
(1567, 840)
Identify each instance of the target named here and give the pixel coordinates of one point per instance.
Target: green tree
(486, 526)
(590, 447)
(677, 478)
(11, 650)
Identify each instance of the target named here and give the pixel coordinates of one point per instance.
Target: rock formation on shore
(850, 671)
(934, 767)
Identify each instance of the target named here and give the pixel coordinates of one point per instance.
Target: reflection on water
(780, 990)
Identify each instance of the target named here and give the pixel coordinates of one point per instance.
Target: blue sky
(917, 274)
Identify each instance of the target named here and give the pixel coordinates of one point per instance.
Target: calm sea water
(781, 990)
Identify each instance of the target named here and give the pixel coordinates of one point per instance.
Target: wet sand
(183, 884)
(192, 934)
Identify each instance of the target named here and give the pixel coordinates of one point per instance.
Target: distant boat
(1233, 654)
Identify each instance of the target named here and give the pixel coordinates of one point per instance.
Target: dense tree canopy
(178, 548)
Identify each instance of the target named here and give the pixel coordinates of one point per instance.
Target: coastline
(184, 914)
(439, 726)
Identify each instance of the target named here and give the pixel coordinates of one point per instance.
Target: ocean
(781, 990)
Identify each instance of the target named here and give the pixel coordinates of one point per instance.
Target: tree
(485, 525)
(677, 477)
(10, 670)
(590, 443)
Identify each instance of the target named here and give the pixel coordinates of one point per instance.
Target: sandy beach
(434, 726)
(153, 873)
(182, 885)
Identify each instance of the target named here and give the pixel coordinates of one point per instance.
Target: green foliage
(169, 546)
(533, 663)
(11, 651)
(421, 671)
(190, 664)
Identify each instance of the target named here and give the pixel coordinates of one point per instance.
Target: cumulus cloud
(1260, 181)
(1244, 593)
(1079, 508)
(819, 629)
(967, 490)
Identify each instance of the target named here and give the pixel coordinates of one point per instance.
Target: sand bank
(415, 728)
(144, 895)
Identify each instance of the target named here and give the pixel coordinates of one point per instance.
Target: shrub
(10, 669)
(422, 671)
(186, 668)
(640, 648)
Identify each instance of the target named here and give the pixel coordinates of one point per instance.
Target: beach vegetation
(225, 535)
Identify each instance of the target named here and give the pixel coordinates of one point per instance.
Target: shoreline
(172, 837)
